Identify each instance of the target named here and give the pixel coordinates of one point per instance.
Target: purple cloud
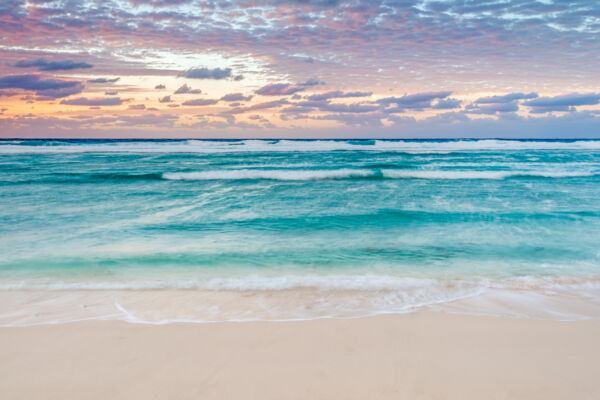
(206, 73)
(338, 95)
(259, 106)
(311, 82)
(185, 89)
(278, 89)
(506, 98)
(417, 101)
(349, 108)
(236, 97)
(44, 88)
(446, 104)
(566, 102)
(493, 108)
(46, 65)
(84, 101)
(200, 102)
(416, 98)
(103, 80)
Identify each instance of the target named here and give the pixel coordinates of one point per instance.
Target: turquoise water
(273, 215)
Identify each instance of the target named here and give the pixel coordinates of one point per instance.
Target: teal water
(273, 215)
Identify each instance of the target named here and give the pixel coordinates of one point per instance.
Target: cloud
(51, 94)
(492, 108)
(499, 104)
(166, 99)
(326, 106)
(44, 88)
(259, 106)
(100, 101)
(103, 80)
(314, 3)
(571, 125)
(111, 93)
(200, 102)
(136, 107)
(43, 64)
(446, 104)
(491, 46)
(311, 82)
(151, 120)
(161, 86)
(338, 95)
(8, 93)
(206, 73)
(349, 108)
(414, 98)
(186, 89)
(297, 110)
(159, 3)
(507, 98)
(364, 120)
(278, 89)
(415, 101)
(566, 102)
(236, 97)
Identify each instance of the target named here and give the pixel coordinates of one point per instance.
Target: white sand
(425, 355)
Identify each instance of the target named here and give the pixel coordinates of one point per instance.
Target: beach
(423, 355)
(325, 269)
(299, 200)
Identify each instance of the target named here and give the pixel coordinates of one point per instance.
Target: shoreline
(169, 306)
(422, 355)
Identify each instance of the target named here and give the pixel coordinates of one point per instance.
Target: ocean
(213, 230)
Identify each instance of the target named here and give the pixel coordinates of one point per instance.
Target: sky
(300, 69)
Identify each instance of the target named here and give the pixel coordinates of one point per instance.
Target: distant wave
(280, 174)
(358, 281)
(215, 146)
(347, 173)
(301, 175)
(127, 177)
(372, 282)
(442, 174)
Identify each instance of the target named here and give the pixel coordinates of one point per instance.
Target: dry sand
(425, 355)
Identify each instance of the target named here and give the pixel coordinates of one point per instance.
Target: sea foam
(261, 146)
(281, 174)
(347, 173)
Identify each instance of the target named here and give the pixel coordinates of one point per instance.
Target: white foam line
(280, 174)
(57, 322)
(201, 146)
(449, 174)
(304, 175)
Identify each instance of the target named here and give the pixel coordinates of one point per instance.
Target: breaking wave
(240, 146)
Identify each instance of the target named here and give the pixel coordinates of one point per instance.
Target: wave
(240, 146)
(336, 282)
(280, 174)
(301, 175)
(347, 173)
(288, 298)
(369, 282)
(443, 175)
